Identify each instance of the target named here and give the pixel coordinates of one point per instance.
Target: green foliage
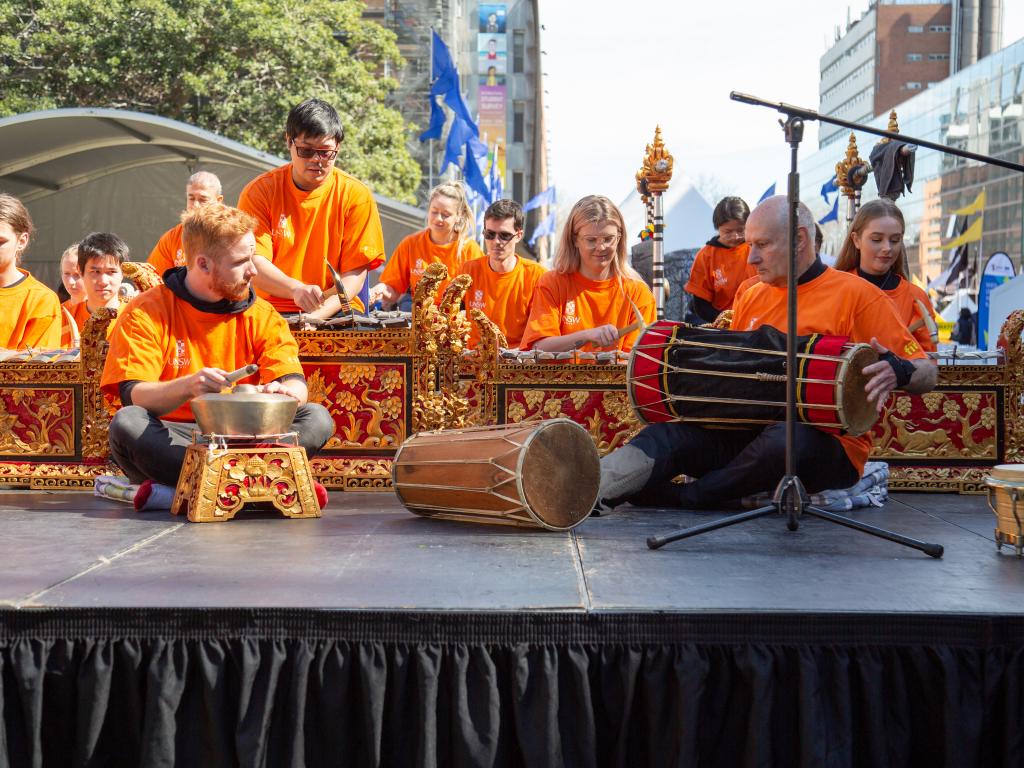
(234, 67)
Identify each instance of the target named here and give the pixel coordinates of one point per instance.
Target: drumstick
(241, 373)
(339, 288)
(619, 333)
(926, 319)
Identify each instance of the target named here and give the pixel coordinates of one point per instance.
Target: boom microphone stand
(790, 498)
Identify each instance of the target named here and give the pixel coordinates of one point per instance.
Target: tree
(234, 67)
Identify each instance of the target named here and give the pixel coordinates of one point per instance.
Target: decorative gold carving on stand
(215, 483)
(1014, 397)
(849, 185)
(428, 410)
(892, 127)
(656, 171)
(95, 414)
(142, 274)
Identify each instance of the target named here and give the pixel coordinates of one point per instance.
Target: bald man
(202, 188)
(731, 464)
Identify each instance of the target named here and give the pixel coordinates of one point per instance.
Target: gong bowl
(244, 413)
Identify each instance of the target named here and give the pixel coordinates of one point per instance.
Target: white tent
(962, 298)
(687, 216)
(83, 170)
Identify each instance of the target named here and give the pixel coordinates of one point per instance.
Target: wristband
(904, 369)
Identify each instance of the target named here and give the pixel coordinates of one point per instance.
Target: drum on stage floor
(539, 474)
(1005, 486)
(679, 372)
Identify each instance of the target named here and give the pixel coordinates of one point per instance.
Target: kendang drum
(1006, 489)
(540, 474)
(679, 372)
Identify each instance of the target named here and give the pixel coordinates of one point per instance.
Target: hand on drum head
(282, 388)
(881, 378)
(308, 297)
(603, 336)
(206, 380)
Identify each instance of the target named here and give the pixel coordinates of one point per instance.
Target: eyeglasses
(591, 243)
(307, 153)
(503, 237)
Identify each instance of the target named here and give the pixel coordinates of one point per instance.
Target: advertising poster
(492, 17)
(492, 122)
(998, 269)
(492, 69)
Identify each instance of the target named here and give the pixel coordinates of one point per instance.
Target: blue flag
(547, 197)
(828, 188)
(494, 180)
(832, 215)
(770, 192)
(546, 227)
(445, 83)
(474, 175)
(459, 135)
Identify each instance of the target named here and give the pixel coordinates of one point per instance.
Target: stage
(375, 637)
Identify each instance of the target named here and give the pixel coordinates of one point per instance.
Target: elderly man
(310, 213)
(202, 188)
(178, 340)
(731, 464)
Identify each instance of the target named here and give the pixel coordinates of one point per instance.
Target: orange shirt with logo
(31, 315)
(169, 251)
(834, 304)
(717, 272)
(505, 297)
(903, 299)
(566, 303)
(416, 252)
(160, 337)
(297, 230)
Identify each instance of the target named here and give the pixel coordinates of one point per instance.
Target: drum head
(561, 473)
(857, 412)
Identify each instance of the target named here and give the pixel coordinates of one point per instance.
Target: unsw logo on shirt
(179, 258)
(283, 230)
(181, 358)
(419, 267)
(720, 279)
(570, 313)
(478, 299)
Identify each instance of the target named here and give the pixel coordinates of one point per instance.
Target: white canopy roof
(84, 170)
(687, 216)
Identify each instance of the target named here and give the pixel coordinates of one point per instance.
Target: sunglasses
(307, 153)
(503, 237)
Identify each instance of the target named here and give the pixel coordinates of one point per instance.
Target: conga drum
(542, 474)
(1006, 500)
(679, 372)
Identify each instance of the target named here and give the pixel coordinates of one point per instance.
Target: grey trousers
(148, 448)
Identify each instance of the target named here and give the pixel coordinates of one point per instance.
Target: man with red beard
(179, 340)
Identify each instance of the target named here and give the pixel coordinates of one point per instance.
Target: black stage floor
(74, 550)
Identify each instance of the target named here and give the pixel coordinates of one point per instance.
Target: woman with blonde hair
(31, 315)
(874, 250)
(592, 292)
(447, 239)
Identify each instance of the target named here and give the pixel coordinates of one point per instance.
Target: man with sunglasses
(503, 283)
(308, 213)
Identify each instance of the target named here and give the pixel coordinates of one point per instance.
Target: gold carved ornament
(1010, 334)
(656, 171)
(428, 410)
(849, 183)
(95, 413)
(142, 274)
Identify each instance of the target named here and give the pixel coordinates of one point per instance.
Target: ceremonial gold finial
(852, 161)
(893, 127)
(657, 167)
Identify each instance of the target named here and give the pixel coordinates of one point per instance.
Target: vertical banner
(998, 269)
(492, 68)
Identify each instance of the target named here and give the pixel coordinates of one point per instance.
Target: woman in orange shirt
(592, 292)
(30, 314)
(448, 240)
(874, 250)
(721, 265)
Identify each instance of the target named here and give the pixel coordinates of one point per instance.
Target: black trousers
(730, 464)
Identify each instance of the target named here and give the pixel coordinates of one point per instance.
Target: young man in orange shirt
(100, 256)
(731, 464)
(178, 341)
(721, 265)
(503, 283)
(202, 188)
(308, 213)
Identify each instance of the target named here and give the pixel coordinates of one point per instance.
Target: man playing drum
(731, 464)
(178, 340)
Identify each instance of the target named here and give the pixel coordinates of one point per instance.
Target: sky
(616, 69)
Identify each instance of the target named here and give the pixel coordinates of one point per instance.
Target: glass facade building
(979, 109)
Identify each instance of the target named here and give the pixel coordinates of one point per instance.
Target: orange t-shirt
(169, 251)
(416, 252)
(297, 230)
(744, 286)
(717, 272)
(160, 337)
(902, 298)
(834, 304)
(505, 297)
(566, 303)
(30, 315)
(79, 314)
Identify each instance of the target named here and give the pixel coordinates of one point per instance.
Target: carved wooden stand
(218, 478)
